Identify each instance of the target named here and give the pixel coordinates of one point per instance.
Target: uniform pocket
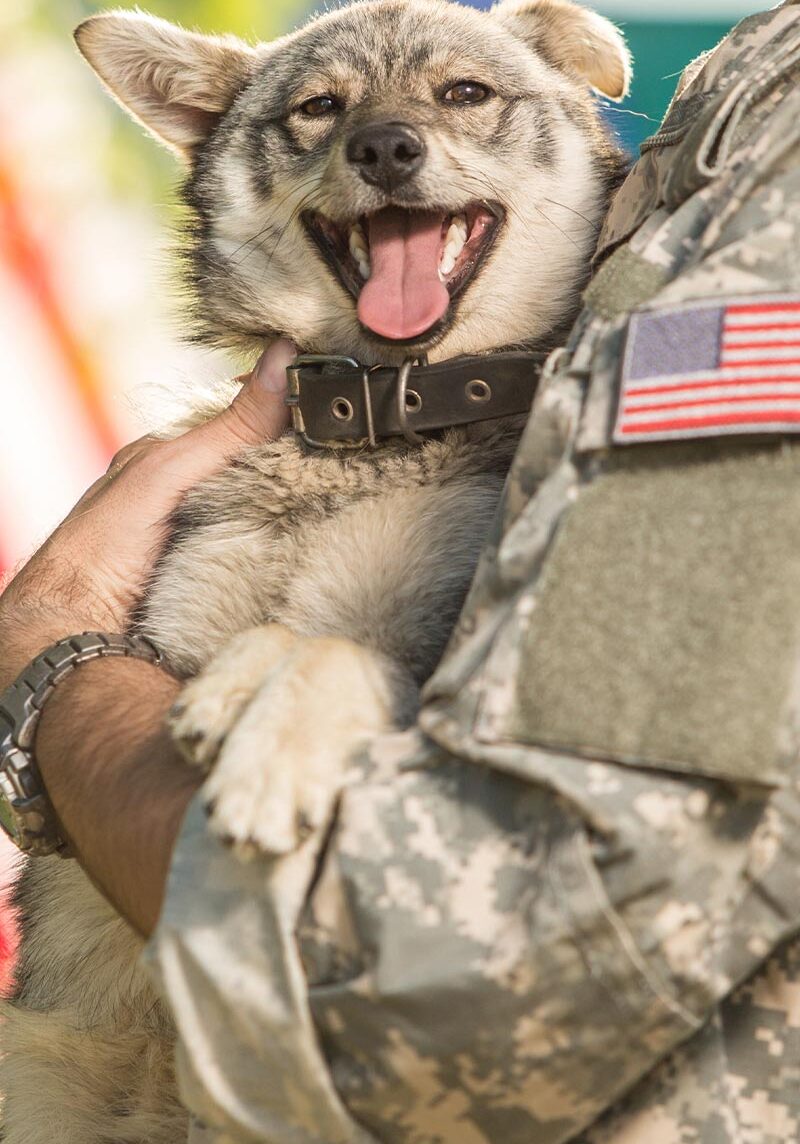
(664, 630)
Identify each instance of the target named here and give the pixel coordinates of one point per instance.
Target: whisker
(572, 210)
(292, 217)
(312, 181)
(511, 209)
(628, 111)
(561, 230)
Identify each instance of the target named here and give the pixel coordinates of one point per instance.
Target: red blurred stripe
(26, 258)
(28, 262)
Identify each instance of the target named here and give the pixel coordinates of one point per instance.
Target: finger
(257, 414)
(126, 454)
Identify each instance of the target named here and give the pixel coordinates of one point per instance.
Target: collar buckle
(319, 362)
(407, 401)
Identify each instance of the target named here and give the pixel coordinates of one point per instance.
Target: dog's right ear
(177, 83)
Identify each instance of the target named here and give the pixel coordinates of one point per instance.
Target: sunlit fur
(536, 148)
(370, 554)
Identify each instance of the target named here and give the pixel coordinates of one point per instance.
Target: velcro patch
(715, 368)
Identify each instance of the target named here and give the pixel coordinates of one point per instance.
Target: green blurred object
(251, 19)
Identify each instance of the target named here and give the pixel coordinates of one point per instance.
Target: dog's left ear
(177, 83)
(572, 38)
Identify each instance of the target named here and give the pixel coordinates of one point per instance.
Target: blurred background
(87, 312)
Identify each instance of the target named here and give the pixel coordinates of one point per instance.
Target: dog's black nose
(386, 154)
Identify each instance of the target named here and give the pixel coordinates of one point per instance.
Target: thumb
(257, 414)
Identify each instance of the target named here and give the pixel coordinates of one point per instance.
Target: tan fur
(573, 38)
(91, 1036)
(173, 81)
(316, 703)
(307, 596)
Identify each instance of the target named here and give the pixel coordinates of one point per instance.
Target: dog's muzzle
(336, 402)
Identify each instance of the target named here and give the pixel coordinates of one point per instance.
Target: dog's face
(399, 177)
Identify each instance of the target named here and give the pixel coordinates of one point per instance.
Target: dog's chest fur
(375, 546)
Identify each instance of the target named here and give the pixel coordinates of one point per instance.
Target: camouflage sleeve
(527, 904)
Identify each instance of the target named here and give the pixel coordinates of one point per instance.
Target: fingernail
(270, 369)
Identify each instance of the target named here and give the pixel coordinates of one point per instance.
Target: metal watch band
(26, 813)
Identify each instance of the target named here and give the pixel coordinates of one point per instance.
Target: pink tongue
(403, 296)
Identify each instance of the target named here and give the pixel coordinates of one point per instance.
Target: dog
(397, 181)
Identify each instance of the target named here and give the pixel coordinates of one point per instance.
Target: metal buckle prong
(373, 441)
(292, 399)
(403, 374)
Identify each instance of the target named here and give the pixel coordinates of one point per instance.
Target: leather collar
(336, 402)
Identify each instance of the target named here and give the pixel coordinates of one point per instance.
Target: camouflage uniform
(577, 884)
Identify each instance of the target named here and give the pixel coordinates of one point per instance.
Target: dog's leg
(283, 763)
(210, 705)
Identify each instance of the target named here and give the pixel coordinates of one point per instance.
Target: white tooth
(358, 244)
(456, 244)
(447, 263)
(455, 240)
(460, 221)
(359, 250)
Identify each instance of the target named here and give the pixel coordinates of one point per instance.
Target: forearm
(116, 784)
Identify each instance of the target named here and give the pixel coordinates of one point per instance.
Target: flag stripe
(769, 341)
(762, 307)
(759, 363)
(750, 400)
(787, 323)
(764, 419)
(705, 380)
(711, 394)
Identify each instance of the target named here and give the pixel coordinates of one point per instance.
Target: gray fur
(287, 547)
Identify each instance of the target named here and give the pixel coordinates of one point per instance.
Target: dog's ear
(176, 83)
(572, 38)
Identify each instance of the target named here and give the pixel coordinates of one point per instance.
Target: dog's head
(397, 177)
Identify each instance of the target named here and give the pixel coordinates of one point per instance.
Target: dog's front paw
(282, 766)
(209, 706)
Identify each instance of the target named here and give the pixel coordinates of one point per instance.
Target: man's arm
(108, 765)
(117, 784)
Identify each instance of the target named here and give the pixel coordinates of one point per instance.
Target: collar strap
(336, 402)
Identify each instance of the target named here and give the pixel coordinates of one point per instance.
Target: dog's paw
(210, 705)
(282, 766)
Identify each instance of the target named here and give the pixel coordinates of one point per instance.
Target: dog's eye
(467, 91)
(320, 105)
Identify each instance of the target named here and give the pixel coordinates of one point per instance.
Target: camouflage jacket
(566, 906)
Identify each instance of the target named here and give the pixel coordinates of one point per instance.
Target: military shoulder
(720, 104)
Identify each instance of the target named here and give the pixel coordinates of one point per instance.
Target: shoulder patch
(713, 368)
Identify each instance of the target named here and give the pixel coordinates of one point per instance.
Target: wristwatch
(26, 813)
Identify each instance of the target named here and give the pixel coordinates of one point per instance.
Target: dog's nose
(386, 154)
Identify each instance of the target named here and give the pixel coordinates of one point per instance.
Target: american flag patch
(700, 371)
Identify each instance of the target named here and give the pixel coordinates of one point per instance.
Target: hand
(90, 573)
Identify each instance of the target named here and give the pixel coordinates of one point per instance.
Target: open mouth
(403, 266)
